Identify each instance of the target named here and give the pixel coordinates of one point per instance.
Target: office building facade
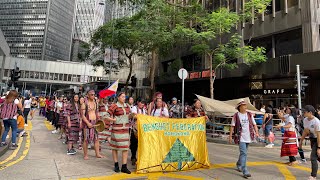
(288, 30)
(38, 29)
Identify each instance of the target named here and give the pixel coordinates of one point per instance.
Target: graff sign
(273, 91)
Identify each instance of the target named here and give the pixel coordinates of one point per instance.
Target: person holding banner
(245, 129)
(160, 110)
(119, 114)
(138, 109)
(196, 110)
(152, 105)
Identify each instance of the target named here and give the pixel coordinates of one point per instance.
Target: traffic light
(133, 81)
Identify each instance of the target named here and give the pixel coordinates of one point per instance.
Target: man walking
(175, 108)
(245, 129)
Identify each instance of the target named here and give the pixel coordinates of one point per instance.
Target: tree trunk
(129, 75)
(211, 79)
(153, 71)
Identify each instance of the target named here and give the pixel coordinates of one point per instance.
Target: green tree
(206, 33)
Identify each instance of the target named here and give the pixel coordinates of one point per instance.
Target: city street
(42, 156)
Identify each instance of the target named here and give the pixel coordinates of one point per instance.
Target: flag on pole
(111, 90)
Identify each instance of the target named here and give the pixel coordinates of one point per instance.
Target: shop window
(289, 42)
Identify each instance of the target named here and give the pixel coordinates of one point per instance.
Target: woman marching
(196, 110)
(62, 121)
(34, 105)
(119, 114)
(289, 145)
(312, 128)
(152, 105)
(73, 123)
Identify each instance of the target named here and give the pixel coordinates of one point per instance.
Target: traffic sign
(183, 73)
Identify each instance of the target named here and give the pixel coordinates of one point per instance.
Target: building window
(289, 42)
(265, 42)
(41, 75)
(166, 65)
(192, 62)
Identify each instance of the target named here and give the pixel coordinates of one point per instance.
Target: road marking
(285, 172)
(49, 126)
(15, 152)
(24, 153)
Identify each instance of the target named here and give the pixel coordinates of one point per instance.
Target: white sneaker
(303, 161)
(26, 125)
(269, 146)
(21, 133)
(54, 132)
(311, 178)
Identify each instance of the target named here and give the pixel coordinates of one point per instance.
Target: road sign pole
(299, 88)
(182, 96)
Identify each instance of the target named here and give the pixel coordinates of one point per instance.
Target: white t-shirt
(134, 110)
(16, 101)
(290, 119)
(313, 125)
(244, 121)
(158, 112)
(27, 103)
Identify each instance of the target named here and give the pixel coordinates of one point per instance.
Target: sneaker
(71, 152)
(3, 144)
(54, 132)
(14, 146)
(269, 146)
(21, 133)
(124, 169)
(303, 161)
(311, 178)
(246, 176)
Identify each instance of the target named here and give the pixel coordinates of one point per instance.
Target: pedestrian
(9, 114)
(245, 130)
(267, 127)
(119, 114)
(103, 108)
(50, 109)
(159, 110)
(72, 114)
(196, 110)
(90, 115)
(62, 121)
(175, 108)
(152, 105)
(131, 102)
(26, 109)
(42, 105)
(312, 128)
(57, 108)
(289, 145)
(34, 105)
(138, 109)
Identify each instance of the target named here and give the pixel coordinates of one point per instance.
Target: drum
(99, 126)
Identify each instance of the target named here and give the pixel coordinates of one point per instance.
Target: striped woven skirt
(289, 144)
(90, 135)
(62, 120)
(120, 139)
(73, 132)
(104, 135)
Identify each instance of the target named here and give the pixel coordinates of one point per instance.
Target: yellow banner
(166, 144)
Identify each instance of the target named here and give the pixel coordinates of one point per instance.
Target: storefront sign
(201, 74)
(207, 73)
(273, 91)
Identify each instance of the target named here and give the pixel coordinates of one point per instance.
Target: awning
(225, 108)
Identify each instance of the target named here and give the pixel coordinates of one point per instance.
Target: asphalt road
(42, 156)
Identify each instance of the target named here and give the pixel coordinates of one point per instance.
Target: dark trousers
(133, 145)
(25, 115)
(292, 158)
(314, 157)
(56, 121)
(42, 111)
(50, 116)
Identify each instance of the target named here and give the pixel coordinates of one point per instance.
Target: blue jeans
(7, 124)
(242, 161)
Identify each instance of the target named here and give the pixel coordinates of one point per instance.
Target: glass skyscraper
(90, 15)
(38, 29)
